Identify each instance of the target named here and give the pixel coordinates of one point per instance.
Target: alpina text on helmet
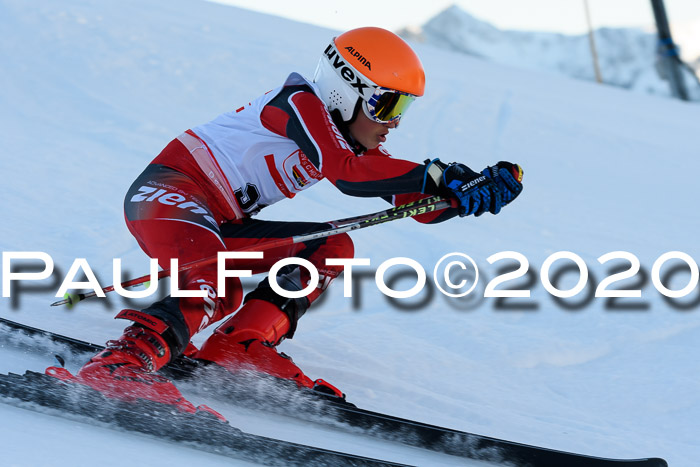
(347, 73)
(359, 56)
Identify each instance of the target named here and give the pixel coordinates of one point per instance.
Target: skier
(199, 196)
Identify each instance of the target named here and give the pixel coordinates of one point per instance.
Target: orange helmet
(371, 68)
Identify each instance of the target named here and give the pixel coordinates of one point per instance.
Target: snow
(91, 91)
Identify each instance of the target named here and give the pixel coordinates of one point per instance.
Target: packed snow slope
(91, 91)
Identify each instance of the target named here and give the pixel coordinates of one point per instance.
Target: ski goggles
(387, 105)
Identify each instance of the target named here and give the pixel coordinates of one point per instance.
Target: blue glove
(495, 187)
(508, 178)
(477, 193)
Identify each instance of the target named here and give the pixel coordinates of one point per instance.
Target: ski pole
(415, 208)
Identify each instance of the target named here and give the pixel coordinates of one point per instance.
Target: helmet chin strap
(344, 127)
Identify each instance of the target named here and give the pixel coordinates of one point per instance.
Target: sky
(566, 16)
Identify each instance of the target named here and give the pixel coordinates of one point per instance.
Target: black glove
(508, 177)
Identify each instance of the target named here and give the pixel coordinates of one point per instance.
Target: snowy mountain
(627, 57)
(91, 91)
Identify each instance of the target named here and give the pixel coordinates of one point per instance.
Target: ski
(308, 405)
(201, 430)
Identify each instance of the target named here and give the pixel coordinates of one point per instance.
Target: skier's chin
(376, 142)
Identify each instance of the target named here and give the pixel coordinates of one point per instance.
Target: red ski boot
(125, 370)
(247, 340)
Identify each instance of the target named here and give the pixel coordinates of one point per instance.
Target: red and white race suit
(197, 197)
